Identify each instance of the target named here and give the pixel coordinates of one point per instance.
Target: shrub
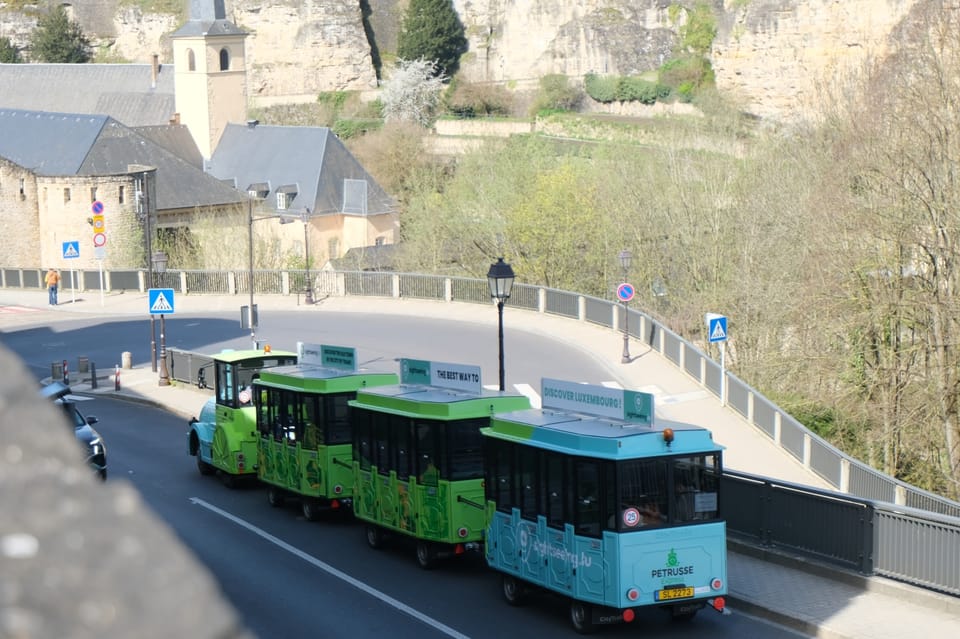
(556, 94)
(468, 100)
(602, 88)
(346, 128)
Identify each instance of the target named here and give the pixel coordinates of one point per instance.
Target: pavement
(813, 598)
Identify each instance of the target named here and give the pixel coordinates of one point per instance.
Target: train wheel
(426, 555)
(375, 536)
(513, 590)
(275, 497)
(228, 480)
(203, 467)
(311, 508)
(581, 616)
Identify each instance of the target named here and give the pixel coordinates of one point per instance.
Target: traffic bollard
(66, 373)
(93, 375)
(116, 378)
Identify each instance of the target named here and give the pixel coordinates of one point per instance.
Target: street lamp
(159, 261)
(251, 313)
(308, 294)
(625, 258)
(500, 278)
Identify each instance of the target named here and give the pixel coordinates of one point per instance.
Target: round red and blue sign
(625, 292)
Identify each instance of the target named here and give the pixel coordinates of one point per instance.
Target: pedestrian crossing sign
(71, 250)
(716, 327)
(160, 301)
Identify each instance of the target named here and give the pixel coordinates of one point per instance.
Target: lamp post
(308, 293)
(625, 258)
(500, 278)
(159, 261)
(251, 314)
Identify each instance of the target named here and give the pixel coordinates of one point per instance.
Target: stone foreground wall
(771, 54)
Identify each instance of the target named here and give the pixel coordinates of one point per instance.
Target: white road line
(356, 583)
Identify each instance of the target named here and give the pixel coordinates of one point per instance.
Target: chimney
(156, 71)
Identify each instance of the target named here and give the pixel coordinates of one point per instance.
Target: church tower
(210, 73)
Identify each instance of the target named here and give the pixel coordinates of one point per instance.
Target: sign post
(161, 302)
(625, 293)
(717, 332)
(71, 251)
(99, 238)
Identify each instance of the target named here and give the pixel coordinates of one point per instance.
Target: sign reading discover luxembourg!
(615, 403)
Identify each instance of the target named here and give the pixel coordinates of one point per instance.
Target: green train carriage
(304, 446)
(223, 437)
(418, 460)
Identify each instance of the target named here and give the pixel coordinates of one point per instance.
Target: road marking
(18, 309)
(356, 583)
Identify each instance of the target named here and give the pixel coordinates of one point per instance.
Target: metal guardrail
(897, 508)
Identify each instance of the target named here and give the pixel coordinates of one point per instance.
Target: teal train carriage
(588, 498)
(417, 457)
(303, 420)
(224, 437)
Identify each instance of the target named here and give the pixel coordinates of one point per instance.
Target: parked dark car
(93, 445)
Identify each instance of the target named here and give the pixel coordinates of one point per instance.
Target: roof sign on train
(616, 403)
(456, 376)
(339, 357)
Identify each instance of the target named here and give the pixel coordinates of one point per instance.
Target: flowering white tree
(412, 93)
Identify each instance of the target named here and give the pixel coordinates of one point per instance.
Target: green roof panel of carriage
(321, 379)
(592, 436)
(432, 402)
(231, 356)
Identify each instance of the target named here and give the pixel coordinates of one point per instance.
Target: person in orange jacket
(53, 282)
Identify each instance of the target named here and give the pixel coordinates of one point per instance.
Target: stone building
(145, 142)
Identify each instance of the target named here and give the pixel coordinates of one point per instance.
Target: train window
(312, 435)
(381, 443)
(500, 473)
(225, 388)
(431, 462)
(587, 513)
(337, 419)
(362, 437)
(401, 431)
(528, 482)
(554, 490)
(643, 495)
(696, 482)
(466, 450)
(262, 402)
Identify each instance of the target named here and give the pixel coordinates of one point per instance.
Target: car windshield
(73, 415)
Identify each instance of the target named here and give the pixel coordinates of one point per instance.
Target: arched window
(191, 60)
(224, 60)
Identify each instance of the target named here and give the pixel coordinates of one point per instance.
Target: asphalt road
(291, 578)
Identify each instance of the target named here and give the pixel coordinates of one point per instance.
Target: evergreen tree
(9, 52)
(57, 38)
(432, 31)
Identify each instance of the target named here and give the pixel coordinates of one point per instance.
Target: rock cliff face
(771, 54)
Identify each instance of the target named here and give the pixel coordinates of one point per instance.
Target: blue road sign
(97, 207)
(717, 328)
(160, 301)
(625, 292)
(71, 250)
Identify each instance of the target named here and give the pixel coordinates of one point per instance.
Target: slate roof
(125, 92)
(328, 179)
(65, 144)
(207, 19)
(175, 138)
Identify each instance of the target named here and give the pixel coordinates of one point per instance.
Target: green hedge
(624, 89)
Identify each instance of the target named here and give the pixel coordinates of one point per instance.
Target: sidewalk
(814, 599)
